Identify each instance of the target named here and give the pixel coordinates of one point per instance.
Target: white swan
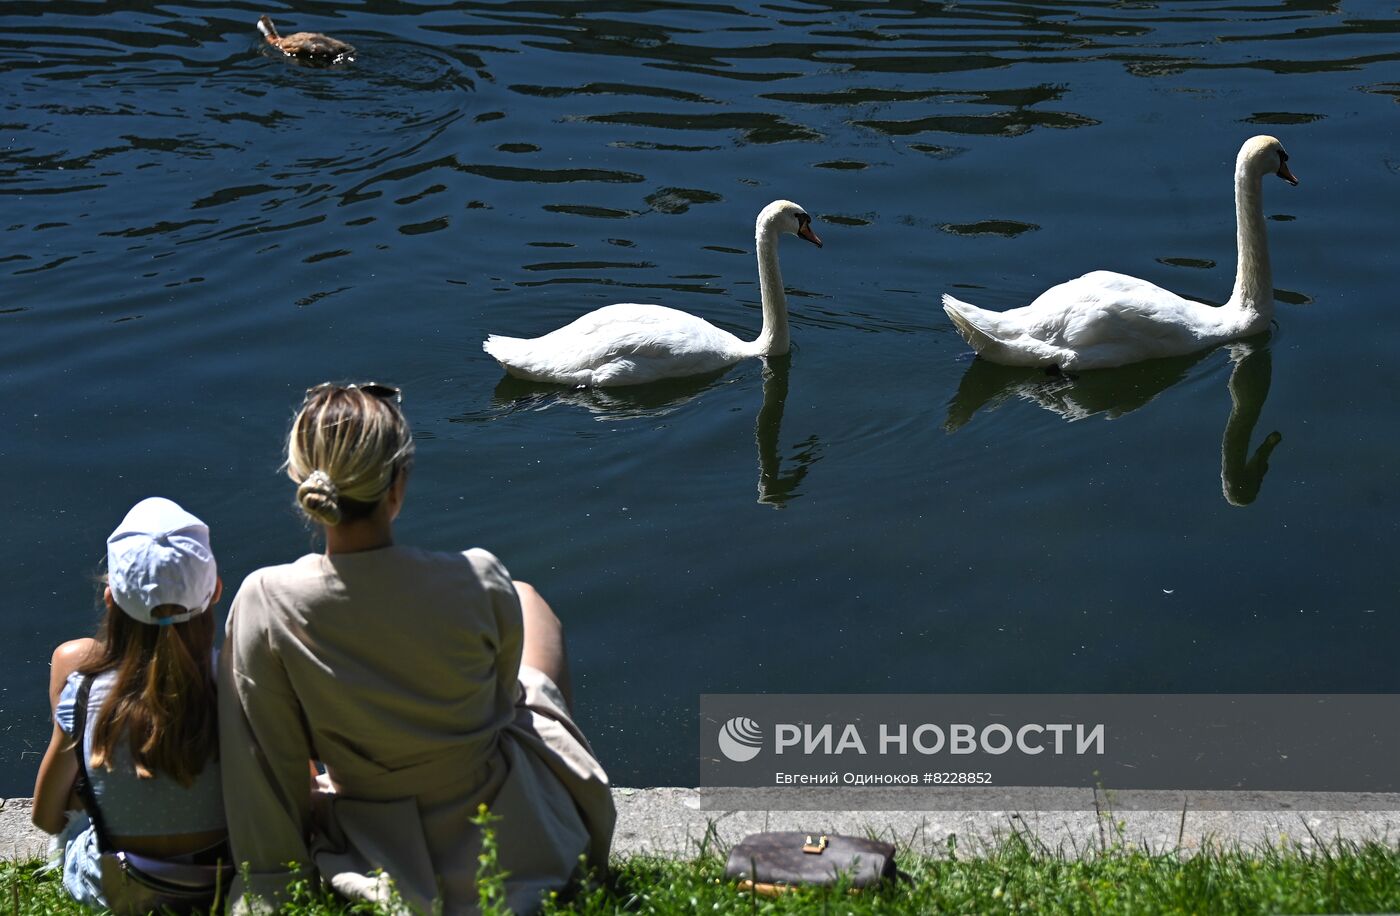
(1107, 319)
(629, 344)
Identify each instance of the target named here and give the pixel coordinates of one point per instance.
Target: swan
(312, 45)
(629, 344)
(1108, 319)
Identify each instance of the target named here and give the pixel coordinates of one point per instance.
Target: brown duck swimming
(306, 45)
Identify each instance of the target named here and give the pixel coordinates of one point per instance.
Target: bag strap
(83, 785)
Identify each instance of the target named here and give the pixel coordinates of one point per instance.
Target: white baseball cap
(159, 555)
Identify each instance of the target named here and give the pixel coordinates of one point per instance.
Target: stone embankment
(671, 822)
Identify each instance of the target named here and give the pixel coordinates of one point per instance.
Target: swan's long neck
(1254, 281)
(773, 339)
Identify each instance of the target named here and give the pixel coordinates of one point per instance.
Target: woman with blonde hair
(135, 741)
(427, 684)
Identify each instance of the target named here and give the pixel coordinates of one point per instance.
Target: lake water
(193, 230)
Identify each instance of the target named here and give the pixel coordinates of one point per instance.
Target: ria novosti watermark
(741, 738)
(981, 750)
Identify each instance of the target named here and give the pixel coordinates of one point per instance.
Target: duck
(307, 45)
(1106, 319)
(633, 344)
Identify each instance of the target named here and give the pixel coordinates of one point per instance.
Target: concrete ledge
(20, 839)
(669, 822)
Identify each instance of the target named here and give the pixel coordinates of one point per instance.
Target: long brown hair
(163, 698)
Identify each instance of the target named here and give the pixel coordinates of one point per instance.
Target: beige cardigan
(398, 669)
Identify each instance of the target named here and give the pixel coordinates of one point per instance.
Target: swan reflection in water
(1115, 392)
(634, 402)
(775, 487)
(1242, 475)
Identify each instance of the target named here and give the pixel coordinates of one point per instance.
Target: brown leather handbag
(770, 863)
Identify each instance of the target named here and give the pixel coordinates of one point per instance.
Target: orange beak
(1284, 173)
(805, 232)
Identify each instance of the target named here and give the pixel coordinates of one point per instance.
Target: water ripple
(181, 202)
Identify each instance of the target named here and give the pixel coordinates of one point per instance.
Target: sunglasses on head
(373, 389)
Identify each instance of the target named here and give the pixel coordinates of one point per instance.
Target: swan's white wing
(1109, 318)
(623, 344)
(1097, 320)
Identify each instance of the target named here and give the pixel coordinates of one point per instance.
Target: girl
(148, 726)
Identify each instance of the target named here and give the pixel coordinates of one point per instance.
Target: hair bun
(319, 497)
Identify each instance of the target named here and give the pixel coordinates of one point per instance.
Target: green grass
(24, 891)
(1013, 878)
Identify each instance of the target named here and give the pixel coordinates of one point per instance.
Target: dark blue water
(193, 230)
